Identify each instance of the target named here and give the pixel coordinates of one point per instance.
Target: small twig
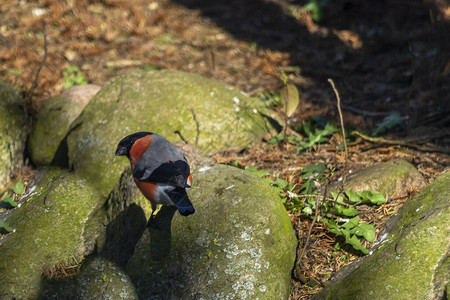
(341, 119)
(34, 85)
(181, 136)
(297, 267)
(196, 124)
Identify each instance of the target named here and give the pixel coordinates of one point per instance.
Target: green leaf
(342, 210)
(389, 122)
(8, 202)
(260, 174)
(372, 197)
(365, 230)
(252, 169)
(4, 228)
(353, 222)
(356, 243)
(307, 210)
(332, 226)
(335, 196)
(282, 183)
(236, 164)
(289, 99)
(310, 170)
(276, 139)
(315, 9)
(353, 197)
(18, 187)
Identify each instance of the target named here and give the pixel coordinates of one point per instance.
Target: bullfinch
(159, 170)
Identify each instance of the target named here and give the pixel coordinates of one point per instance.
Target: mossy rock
(56, 226)
(410, 259)
(160, 101)
(239, 244)
(54, 120)
(13, 122)
(98, 278)
(391, 178)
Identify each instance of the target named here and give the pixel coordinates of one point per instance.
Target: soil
(385, 57)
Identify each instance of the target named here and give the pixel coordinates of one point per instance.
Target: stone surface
(159, 101)
(53, 122)
(98, 279)
(239, 244)
(411, 258)
(13, 131)
(392, 178)
(58, 223)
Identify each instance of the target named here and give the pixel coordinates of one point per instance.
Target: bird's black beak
(121, 150)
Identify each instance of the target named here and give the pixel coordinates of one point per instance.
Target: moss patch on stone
(13, 131)
(50, 228)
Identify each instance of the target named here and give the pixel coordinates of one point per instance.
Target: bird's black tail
(181, 200)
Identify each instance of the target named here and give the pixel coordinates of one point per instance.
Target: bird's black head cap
(127, 142)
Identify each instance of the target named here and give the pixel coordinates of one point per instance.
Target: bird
(160, 170)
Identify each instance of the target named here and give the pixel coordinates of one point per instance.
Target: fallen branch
(402, 143)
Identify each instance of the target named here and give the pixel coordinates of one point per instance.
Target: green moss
(49, 229)
(12, 131)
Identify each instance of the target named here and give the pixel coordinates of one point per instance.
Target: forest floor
(387, 58)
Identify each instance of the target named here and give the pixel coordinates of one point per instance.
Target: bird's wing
(162, 163)
(172, 172)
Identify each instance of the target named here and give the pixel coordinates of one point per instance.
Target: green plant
(316, 135)
(336, 210)
(391, 121)
(4, 228)
(73, 76)
(315, 7)
(352, 230)
(8, 202)
(338, 213)
(271, 99)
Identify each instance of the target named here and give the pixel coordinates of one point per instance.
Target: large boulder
(13, 131)
(160, 101)
(56, 226)
(239, 244)
(53, 122)
(411, 258)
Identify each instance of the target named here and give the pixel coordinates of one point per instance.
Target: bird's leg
(151, 222)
